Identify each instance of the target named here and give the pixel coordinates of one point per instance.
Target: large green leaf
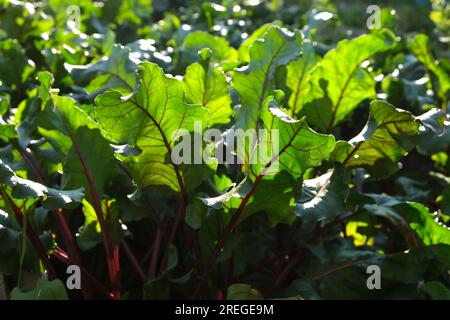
(10, 237)
(150, 119)
(277, 166)
(414, 215)
(275, 196)
(254, 83)
(379, 145)
(347, 83)
(436, 290)
(424, 262)
(97, 156)
(298, 148)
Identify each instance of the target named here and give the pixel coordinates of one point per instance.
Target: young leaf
(207, 86)
(222, 52)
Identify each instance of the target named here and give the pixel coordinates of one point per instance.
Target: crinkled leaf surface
(150, 119)
(276, 48)
(379, 144)
(298, 149)
(347, 83)
(207, 86)
(299, 74)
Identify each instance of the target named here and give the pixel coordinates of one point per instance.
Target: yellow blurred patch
(358, 238)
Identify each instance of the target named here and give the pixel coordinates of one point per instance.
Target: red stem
(197, 251)
(155, 253)
(338, 103)
(180, 214)
(226, 233)
(299, 256)
(178, 218)
(337, 268)
(111, 252)
(34, 238)
(234, 220)
(73, 252)
(133, 260)
(62, 256)
(31, 162)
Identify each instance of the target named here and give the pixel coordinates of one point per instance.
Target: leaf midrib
(166, 143)
(341, 97)
(266, 74)
(300, 81)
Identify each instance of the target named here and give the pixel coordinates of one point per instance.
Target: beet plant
(228, 150)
